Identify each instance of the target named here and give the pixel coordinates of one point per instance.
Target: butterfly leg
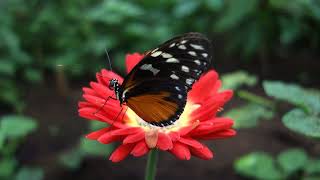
(105, 102)
(119, 115)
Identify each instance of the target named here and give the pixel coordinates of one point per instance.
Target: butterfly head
(114, 85)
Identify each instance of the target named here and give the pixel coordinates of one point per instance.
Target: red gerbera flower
(197, 122)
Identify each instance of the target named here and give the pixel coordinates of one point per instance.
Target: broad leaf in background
(7, 167)
(2, 139)
(248, 116)
(71, 159)
(16, 126)
(235, 12)
(30, 173)
(294, 94)
(306, 118)
(313, 167)
(258, 165)
(236, 79)
(292, 160)
(94, 148)
(299, 121)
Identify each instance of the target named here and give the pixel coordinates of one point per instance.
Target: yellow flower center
(184, 120)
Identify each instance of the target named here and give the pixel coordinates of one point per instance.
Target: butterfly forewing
(156, 89)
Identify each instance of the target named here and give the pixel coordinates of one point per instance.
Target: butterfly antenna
(108, 59)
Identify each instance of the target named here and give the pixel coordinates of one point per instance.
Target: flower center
(184, 120)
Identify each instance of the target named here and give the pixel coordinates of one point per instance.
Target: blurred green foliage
(305, 118)
(290, 164)
(13, 131)
(73, 158)
(39, 35)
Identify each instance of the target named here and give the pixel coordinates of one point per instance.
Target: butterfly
(156, 88)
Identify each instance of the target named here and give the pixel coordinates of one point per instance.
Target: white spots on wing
(197, 62)
(183, 41)
(196, 46)
(172, 60)
(182, 47)
(192, 53)
(171, 45)
(154, 50)
(180, 96)
(177, 88)
(156, 53)
(204, 55)
(173, 76)
(166, 55)
(189, 81)
(185, 68)
(150, 68)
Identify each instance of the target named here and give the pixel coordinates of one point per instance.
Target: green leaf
(7, 167)
(30, 173)
(15, 126)
(186, 8)
(292, 160)
(249, 115)
(297, 120)
(257, 165)
(71, 159)
(33, 75)
(313, 167)
(8, 67)
(95, 125)
(214, 5)
(2, 140)
(311, 178)
(235, 13)
(236, 79)
(294, 94)
(90, 147)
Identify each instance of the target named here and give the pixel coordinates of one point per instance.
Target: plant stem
(151, 165)
(255, 98)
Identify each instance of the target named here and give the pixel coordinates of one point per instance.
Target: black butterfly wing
(156, 88)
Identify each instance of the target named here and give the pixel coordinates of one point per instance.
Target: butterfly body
(156, 88)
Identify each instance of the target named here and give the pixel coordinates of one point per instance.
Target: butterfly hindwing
(150, 89)
(158, 102)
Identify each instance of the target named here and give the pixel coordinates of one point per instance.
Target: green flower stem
(151, 165)
(255, 98)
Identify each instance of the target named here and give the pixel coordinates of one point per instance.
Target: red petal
(202, 89)
(191, 142)
(101, 90)
(132, 60)
(164, 142)
(88, 113)
(83, 104)
(185, 130)
(89, 91)
(202, 153)
(175, 136)
(140, 149)
(108, 138)
(134, 137)
(108, 75)
(96, 134)
(181, 151)
(121, 152)
(126, 131)
(209, 108)
(219, 135)
(213, 125)
(151, 138)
